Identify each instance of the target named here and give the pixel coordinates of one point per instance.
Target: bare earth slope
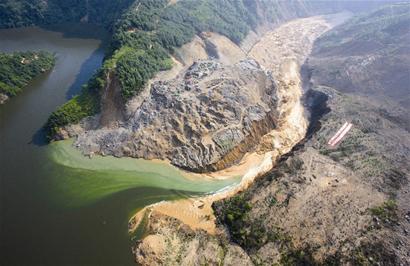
(322, 205)
(370, 55)
(284, 65)
(349, 204)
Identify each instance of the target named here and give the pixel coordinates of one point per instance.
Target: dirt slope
(292, 127)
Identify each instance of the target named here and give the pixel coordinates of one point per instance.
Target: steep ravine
(281, 52)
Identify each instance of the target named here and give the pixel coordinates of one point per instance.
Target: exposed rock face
(205, 119)
(111, 103)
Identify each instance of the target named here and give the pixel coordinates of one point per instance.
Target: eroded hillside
(323, 205)
(208, 113)
(343, 205)
(284, 64)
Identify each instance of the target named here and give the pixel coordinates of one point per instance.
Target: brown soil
(288, 47)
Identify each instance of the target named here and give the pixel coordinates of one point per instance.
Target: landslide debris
(205, 119)
(347, 205)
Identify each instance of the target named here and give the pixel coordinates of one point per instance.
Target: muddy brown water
(46, 215)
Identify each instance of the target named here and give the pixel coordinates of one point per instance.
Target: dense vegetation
(151, 29)
(17, 69)
(18, 13)
(143, 38)
(145, 33)
(85, 104)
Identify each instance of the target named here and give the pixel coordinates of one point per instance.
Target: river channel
(58, 207)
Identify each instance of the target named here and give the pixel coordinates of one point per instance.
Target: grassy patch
(373, 253)
(296, 257)
(387, 212)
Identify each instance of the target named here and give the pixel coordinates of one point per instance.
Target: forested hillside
(142, 40)
(17, 69)
(18, 13)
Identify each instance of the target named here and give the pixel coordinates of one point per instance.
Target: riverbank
(108, 175)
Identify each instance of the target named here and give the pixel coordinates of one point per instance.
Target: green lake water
(58, 207)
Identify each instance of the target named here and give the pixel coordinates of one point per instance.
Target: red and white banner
(340, 134)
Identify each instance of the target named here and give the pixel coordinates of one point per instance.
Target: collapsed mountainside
(208, 113)
(215, 111)
(147, 36)
(321, 205)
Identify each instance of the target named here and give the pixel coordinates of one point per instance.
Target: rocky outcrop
(205, 119)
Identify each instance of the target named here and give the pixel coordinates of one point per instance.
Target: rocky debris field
(205, 119)
(206, 116)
